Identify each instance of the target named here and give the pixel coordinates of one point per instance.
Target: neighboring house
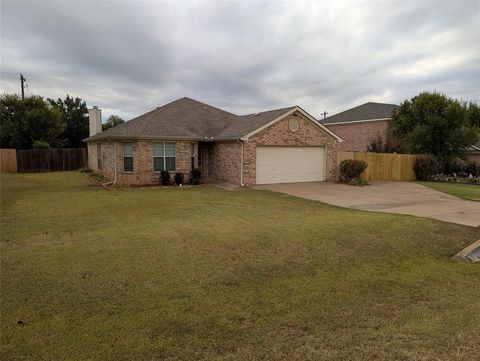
(360, 125)
(276, 146)
(473, 152)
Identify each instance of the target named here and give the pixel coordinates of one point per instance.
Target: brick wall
(143, 173)
(308, 134)
(224, 161)
(357, 136)
(474, 157)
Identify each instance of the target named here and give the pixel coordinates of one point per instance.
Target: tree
(474, 110)
(75, 115)
(25, 121)
(435, 124)
(112, 121)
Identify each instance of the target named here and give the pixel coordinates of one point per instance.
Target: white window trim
(164, 157)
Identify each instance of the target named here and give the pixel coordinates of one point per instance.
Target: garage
(290, 164)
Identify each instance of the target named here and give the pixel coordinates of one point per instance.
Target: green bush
(454, 166)
(195, 176)
(178, 178)
(351, 169)
(472, 168)
(426, 167)
(165, 178)
(40, 144)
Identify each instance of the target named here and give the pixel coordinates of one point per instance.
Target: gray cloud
(128, 57)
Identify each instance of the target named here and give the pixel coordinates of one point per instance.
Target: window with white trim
(163, 156)
(128, 157)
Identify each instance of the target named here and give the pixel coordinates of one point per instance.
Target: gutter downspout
(241, 163)
(114, 182)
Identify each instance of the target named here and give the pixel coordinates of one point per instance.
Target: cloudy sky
(128, 57)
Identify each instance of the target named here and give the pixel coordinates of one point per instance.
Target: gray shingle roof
(365, 111)
(186, 118)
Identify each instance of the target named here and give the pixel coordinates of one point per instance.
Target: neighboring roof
(186, 118)
(367, 111)
(475, 147)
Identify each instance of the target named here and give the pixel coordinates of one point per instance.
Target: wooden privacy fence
(384, 166)
(8, 160)
(51, 160)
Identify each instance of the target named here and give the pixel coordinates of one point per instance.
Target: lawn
(207, 274)
(467, 191)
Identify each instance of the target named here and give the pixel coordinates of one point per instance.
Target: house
(360, 125)
(473, 152)
(275, 146)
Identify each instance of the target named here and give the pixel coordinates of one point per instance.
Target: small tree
(112, 121)
(432, 123)
(75, 115)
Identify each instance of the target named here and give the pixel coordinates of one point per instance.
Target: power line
(103, 91)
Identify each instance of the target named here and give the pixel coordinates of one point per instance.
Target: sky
(128, 57)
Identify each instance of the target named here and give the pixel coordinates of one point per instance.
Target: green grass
(207, 274)
(467, 191)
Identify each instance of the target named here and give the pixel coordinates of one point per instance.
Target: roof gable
(301, 112)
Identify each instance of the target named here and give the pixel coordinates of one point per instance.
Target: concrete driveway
(390, 197)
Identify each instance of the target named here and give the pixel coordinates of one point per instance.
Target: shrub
(165, 178)
(178, 178)
(454, 166)
(472, 168)
(376, 145)
(40, 144)
(350, 169)
(426, 167)
(195, 176)
(358, 181)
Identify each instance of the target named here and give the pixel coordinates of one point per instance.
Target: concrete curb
(463, 254)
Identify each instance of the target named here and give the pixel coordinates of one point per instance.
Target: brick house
(277, 146)
(360, 125)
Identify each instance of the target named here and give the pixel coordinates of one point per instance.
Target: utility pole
(324, 114)
(22, 80)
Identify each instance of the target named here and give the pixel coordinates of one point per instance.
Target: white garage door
(290, 164)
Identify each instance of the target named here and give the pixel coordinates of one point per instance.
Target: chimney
(95, 120)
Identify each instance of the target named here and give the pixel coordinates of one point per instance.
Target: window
(99, 156)
(128, 157)
(163, 156)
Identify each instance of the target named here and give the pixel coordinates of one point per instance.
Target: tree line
(36, 122)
